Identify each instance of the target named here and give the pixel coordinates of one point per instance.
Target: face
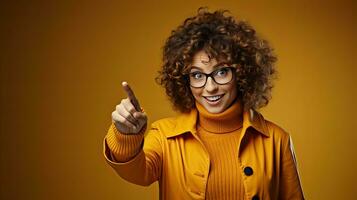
(226, 93)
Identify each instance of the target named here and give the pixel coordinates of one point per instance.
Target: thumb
(140, 116)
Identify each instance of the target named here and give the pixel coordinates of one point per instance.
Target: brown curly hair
(221, 37)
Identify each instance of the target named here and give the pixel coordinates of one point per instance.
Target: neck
(227, 121)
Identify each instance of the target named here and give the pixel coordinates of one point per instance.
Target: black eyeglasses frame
(233, 69)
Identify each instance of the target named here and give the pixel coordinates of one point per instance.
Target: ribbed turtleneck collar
(227, 121)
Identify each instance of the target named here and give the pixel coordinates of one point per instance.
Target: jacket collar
(186, 122)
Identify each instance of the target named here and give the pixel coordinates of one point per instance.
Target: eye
(197, 75)
(222, 72)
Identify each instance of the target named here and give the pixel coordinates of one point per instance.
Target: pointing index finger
(131, 96)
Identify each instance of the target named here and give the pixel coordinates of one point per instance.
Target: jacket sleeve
(290, 184)
(133, 157)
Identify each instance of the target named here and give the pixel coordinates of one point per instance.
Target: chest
(189, 161)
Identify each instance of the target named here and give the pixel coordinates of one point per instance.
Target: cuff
(123, 147)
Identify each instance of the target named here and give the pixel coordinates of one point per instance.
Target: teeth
(214, 98)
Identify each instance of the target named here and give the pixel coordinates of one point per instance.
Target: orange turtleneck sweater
(220, 134)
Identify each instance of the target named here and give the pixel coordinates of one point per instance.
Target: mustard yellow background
(62, 64)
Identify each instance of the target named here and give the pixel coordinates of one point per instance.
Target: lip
(216, 102)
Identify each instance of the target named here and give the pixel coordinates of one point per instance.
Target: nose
(211, 86)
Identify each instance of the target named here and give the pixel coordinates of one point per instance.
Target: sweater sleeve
(123, 147)
(135, 158)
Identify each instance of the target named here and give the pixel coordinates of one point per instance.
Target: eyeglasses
(221, 76)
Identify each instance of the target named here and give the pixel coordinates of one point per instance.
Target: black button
(248, 171)
(256, 197)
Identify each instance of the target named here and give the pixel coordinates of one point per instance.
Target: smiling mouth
(214, 98)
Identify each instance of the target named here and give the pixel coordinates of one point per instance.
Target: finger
(128, 106)
(120, 119)
(131, 95)
(126, 114)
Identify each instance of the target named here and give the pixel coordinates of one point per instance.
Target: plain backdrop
(62, 63)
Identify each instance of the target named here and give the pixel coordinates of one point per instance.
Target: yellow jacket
(172, 154)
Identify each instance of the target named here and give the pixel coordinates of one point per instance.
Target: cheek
(232, 89)
(196, 93)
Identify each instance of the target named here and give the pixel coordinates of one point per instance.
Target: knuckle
(131, 109)
(121, 120)
(113, 115)
(127, 115)
(120, 107)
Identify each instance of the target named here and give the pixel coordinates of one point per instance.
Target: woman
(217, 74)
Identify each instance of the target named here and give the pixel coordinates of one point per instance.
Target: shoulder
(164, 124)
(277, 132)
(159, 128)
(177, 125)
(266, 125)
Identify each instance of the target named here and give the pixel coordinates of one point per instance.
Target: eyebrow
(214, 67)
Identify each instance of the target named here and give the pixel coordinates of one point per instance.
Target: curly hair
(221, 37)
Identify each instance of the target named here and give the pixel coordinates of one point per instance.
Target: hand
(128, 117)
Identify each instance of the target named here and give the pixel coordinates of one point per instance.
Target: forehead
(202, 61)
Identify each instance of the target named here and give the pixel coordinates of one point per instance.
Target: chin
(214, 110)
